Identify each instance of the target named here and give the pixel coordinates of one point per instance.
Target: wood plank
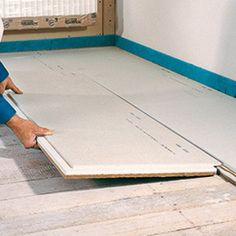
(219, 212)
(226, 228)
(138, 226)
(166, 224)
(103, 219)
(58, 184)
(112, 138)
(115, 197)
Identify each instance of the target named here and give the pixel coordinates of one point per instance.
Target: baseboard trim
(57, 43)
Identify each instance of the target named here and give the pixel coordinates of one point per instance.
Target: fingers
(36, 146)
(40, 132)
(31, 142)
(12, 86)
(43, 132)
(15, 89)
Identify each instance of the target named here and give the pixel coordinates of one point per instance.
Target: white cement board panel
(205, 117)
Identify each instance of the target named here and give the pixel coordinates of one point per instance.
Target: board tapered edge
(115, 171)
(111, 171)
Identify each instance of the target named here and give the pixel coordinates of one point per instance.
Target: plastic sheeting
(36, 8)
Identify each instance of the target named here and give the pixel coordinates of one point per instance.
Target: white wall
(201, 32)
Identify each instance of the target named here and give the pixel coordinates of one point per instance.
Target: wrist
(2, 88)
(3, 84)
(14, 122)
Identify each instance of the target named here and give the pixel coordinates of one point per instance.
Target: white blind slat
(29, 8)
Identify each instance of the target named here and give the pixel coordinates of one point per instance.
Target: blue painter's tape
(208, 78)
(57, 43)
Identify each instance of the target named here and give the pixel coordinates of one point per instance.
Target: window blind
(37, 8)
(40, 14)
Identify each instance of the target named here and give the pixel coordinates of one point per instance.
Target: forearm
(6, 111)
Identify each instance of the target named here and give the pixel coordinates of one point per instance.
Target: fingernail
(50, 132)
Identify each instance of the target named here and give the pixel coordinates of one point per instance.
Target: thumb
(43, 132)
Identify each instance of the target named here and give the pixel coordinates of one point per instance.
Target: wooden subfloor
(36, 200)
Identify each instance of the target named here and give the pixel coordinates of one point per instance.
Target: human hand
(27, 131)
(8, 84)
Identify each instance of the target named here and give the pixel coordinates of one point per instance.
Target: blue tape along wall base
(208, 78)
